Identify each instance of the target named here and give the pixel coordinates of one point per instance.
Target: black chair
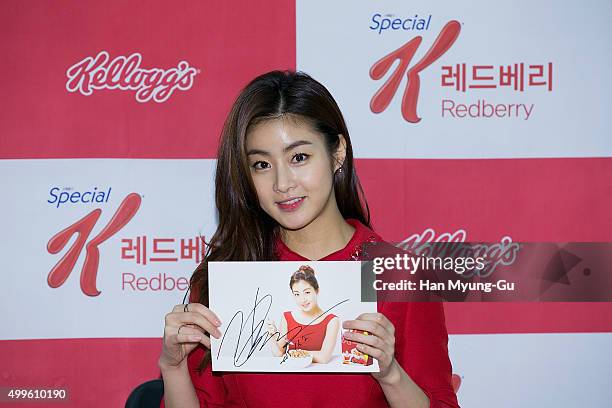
(146, 395)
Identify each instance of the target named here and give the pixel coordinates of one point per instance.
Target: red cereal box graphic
(350, 353)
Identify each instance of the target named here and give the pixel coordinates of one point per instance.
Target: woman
(310, 328)
(286, 190)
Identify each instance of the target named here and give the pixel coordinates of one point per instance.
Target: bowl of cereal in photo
(298, 358)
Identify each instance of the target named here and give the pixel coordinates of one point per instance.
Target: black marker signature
(257, 338)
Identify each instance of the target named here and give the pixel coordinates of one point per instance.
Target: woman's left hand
(379, 343)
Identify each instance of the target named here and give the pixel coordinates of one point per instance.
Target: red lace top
(420, 348)
(307, 338)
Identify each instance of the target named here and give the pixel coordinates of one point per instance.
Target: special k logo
(456, 382)
(82, 229)
(125, 73)
(404, 54)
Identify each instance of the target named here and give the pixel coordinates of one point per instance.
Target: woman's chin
(292, 222)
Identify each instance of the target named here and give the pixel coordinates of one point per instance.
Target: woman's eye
(300, 157)
(260, 165)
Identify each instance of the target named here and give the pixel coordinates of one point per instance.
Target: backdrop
(470, 121)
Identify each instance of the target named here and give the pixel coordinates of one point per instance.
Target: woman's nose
(285, 179)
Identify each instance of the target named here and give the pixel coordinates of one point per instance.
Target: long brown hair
(245, 232)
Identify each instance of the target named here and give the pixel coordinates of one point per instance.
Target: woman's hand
(186, 326)
(379, 343)
(271, 328)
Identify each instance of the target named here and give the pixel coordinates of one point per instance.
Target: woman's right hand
(271, 327)
(194, 325)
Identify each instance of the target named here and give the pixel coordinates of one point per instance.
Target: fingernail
(195, 338)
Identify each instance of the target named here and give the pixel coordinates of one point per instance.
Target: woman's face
(292, 172)
(305, 296)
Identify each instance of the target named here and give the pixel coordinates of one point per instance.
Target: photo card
(286, 316)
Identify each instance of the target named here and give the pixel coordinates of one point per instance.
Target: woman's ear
(340, 153)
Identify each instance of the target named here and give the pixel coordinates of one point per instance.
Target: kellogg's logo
(502, 253)
(125, 73)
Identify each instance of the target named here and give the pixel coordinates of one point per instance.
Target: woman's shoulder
(330, 320)
(363, 232)
(363, 236)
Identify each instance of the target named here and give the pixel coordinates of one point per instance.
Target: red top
(420, 348)
(306, 337)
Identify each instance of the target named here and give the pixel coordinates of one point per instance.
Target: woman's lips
(291, 205)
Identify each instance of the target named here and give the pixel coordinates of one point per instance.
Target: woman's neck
(313, 314)
(319, 238)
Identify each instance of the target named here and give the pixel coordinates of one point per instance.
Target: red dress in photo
(306, 337)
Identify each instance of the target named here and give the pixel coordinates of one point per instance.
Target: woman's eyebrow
(286, 149)
(305, 290)
(257, 151)
(296, 144)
